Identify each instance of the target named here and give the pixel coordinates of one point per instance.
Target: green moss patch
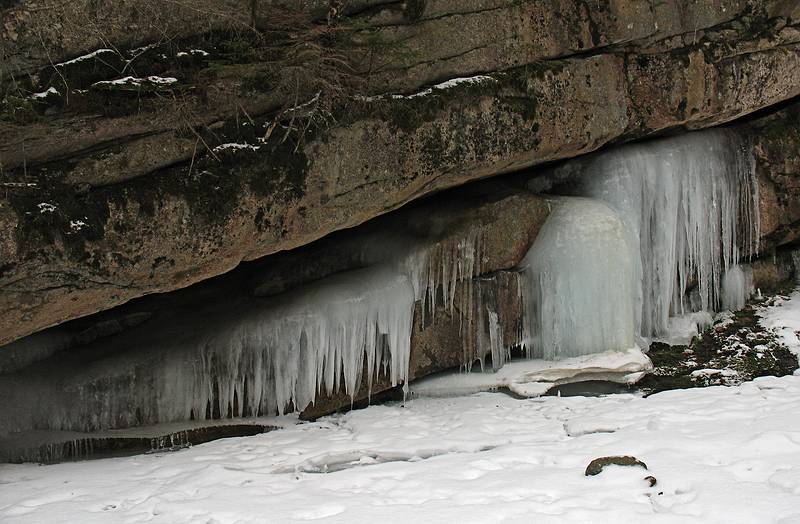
(734, 350)
(54, 214)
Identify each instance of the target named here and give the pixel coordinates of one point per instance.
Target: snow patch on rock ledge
(447, 84)
(45, 94)
(134, 81)
(88, 56)
(235, 147)
(533, 378)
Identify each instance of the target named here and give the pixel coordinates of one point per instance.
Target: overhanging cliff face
(114, 191)
(190, 354)
(194, 354)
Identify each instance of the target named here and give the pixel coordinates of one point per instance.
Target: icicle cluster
(445, 275)
(691, 205)
(330, 335)
(578, 290)
(443, 266)
(273, 355)
(321, 337)
(327, 336)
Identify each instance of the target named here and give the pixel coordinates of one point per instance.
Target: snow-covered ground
(719, 454)
(783, 318)
(535, 377)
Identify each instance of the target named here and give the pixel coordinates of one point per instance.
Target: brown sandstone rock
(66, 252)
(776, 139)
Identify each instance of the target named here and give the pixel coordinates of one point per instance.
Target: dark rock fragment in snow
(596, 466)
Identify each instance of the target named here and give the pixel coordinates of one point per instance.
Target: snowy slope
(719, 454)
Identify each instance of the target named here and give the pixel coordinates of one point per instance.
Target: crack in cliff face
(74, 281)
(511, 5)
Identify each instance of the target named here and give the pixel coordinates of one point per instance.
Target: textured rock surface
(106, 198)
(776, 138)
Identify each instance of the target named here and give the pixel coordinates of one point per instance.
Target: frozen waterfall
(691, 205)
(321, 337)
(325, 337)
(736, 287)
(577, 283)
(654, 219)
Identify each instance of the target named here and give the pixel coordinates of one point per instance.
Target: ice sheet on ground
(36, 438)
(535, 377)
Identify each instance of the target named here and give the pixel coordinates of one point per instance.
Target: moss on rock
(734, 350)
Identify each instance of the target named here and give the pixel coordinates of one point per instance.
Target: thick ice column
(577, 283)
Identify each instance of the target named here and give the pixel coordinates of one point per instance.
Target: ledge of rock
(105, 198)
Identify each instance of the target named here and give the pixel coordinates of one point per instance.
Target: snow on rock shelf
(720, 454)
(535, 377)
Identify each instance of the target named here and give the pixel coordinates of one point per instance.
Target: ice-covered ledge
(535, 377)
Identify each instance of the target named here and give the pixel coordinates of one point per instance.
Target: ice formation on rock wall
(664, 215)
(737, 285)
(691, 204)
(320, 338)
(325, 335)
(578, 287)
(260, 356)
(444, 274)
